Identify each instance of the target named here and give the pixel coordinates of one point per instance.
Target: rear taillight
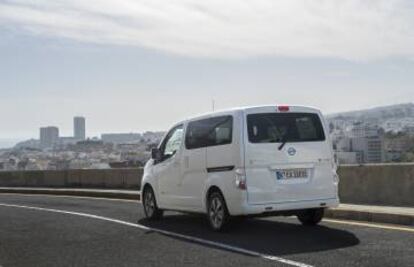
(240, 179)
(283, 108)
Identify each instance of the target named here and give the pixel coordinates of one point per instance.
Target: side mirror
(156, 154)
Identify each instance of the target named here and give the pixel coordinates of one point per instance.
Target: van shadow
(275, 238)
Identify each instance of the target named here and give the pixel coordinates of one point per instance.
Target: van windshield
(284, 127)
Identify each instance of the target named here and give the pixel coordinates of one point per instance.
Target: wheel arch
(210, 189)
(145, 186)
(149, 185)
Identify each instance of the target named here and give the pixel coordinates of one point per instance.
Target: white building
(360, 143)
(117, 138)
(364, 130)
(370, 147)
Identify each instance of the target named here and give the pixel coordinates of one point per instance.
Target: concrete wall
(108, 178)
(375, 184)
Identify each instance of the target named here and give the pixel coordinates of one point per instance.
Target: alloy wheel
(216, 212)
(149, 203)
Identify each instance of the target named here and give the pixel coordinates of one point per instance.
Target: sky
(137, 65)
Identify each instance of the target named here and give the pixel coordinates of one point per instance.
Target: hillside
(383, 113)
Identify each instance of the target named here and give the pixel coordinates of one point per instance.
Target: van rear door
(288, 157)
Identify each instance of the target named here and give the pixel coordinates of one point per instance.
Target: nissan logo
(291, 151)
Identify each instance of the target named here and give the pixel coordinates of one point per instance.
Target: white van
(254, 161)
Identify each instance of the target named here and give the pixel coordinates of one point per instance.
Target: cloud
(346, 29)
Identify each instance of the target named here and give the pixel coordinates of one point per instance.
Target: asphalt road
(66, 231)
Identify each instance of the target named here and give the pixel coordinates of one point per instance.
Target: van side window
(209, 132)
(172, 142)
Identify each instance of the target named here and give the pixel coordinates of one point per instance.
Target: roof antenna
(212, 104)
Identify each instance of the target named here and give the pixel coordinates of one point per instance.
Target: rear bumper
(258, 209)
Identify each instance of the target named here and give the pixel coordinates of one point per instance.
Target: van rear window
(284, 127)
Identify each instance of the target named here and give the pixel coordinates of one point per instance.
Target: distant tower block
(79, 128)
(49, 136)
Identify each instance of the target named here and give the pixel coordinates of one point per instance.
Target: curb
(104, 193)
(370, 216)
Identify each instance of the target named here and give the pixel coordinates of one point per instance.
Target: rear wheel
(217, 213)
(311, 217)
(151, 209)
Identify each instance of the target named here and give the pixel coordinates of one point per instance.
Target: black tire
(149, 203)
(217, 213)
(311, 217)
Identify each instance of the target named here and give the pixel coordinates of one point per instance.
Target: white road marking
(72, 196)
(372, 225)
(168, 233)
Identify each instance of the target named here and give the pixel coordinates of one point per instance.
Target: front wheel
(311, 217)
(151, 210)
(217, 213)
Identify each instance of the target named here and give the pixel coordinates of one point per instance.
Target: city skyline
(50, 134)
(9, 142)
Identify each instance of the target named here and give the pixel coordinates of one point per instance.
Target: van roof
(295, 108)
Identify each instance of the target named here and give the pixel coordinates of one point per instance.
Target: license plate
(291, 174)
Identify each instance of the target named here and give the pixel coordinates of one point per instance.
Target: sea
(8, 142)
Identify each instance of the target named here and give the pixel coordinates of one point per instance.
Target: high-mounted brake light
(283, 108)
